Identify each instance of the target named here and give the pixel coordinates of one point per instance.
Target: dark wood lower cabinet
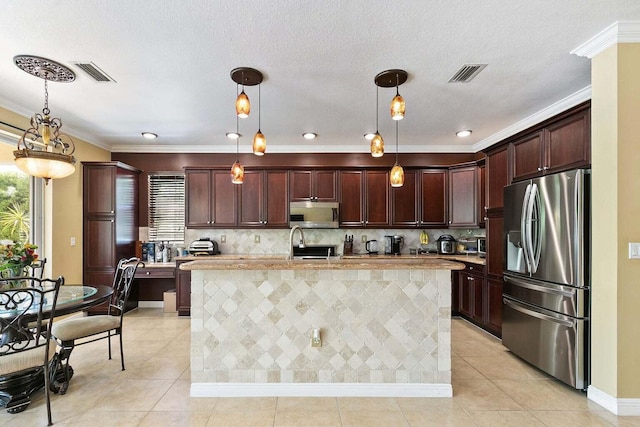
(477, 298)
(183, 290)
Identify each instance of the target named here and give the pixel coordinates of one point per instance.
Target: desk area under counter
(385, 326)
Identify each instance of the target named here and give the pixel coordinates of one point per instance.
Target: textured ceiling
(171, 61)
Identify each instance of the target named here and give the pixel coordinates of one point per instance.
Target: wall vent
(466, 73)
(94, 71)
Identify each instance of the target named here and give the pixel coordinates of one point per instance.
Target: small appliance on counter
(204, 246)
(393, 245)
(371, 247)
(482, 247)
(348, 245)
(446, 244)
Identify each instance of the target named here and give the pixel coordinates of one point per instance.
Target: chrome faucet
(300, 243)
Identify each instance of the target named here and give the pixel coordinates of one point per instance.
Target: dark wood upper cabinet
(376, 200)
(264, 199)
(316, 185)
(95, 178)
(463, 196)
(210, 199)
(559, 146)
(497, 177)
(364, 198)
(482, 195)
(405, 201)
(434, 198)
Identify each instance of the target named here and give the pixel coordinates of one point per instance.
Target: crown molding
(556, 108)
(618, 32)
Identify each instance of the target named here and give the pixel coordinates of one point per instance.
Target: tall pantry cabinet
(110, 220)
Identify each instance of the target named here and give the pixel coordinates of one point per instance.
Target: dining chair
(26, 319)
(37, 268)
(78, 331)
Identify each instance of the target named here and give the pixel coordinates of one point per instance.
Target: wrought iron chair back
(26, 318)
(122, 281)
(37, 268)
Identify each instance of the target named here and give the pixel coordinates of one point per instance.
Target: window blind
(166, 207)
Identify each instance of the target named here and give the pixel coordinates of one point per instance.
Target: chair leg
(121, 350)
(46, 392)
(63, 360)
(109, 339)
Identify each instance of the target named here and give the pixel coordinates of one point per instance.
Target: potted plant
(15, 258)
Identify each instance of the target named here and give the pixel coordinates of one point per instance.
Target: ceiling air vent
(94, 71)
(466, 73)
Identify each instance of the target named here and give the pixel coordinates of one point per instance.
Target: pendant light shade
(243, 105)
(43, 150)
(377, 146)
(259, 144)
(397, 107)
(396, 178)
(237, 173)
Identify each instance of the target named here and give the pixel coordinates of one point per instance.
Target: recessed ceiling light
(149, 135)
(309, 135)
(369, 136)
(463, 133)
(233, 135)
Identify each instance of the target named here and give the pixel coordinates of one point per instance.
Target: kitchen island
(385, 326)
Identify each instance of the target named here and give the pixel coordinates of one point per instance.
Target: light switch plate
(634, 250)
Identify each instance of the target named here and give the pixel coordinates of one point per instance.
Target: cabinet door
(99, 190)
(351, 195)
(99, 243)
(495, 244)
(377, 198)
(183, 292)
(466, 294)
(251, 197)
(326, 186)
(494, 306)
(482, 202)
(463, 197)
(497, 170)
(277, 199)
(301, 186)
(477, 289)
(198, 198)
(567, 144)
(434, 198)
(224, 198)
(404, 201)
(527, 156)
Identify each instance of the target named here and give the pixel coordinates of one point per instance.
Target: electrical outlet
(256, 238)
(634, 250)
(364, 238)
(73, 241)
(223, 239)
(316, 339)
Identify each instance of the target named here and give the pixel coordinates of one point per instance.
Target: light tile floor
(491, 388)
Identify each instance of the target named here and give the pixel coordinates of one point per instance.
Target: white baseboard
(320, 390)
(151, 304)
(618, 406)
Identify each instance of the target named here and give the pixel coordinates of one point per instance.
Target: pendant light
(259, 141)
(245, 76)
(391, 78)
(237, 171)
(43, 150)
(377, 143)
(396, 177)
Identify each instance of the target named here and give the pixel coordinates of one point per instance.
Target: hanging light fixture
(259, 141)
(43, 150)
(245, 76)
(377, 143)
(237, 171)
(391, 78)
(396, 177)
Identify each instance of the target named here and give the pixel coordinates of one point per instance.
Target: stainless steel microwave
(314, 214)
(482, 247)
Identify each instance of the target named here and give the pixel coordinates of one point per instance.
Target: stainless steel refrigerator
(547, 274)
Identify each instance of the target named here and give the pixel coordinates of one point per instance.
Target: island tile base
(384, 332)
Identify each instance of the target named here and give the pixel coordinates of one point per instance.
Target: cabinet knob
(111, 211)
(148, 272)
(539, 169)
(472, 279)
(546, 168)
(485, 218)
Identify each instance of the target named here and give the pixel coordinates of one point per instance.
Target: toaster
(204, 246)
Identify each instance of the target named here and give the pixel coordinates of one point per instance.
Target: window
(166, 207)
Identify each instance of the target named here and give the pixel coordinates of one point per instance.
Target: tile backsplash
(276, 241)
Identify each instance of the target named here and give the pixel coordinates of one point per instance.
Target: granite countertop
(238, 262)
(470, 258)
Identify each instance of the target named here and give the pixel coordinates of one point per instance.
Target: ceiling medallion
(44, 68)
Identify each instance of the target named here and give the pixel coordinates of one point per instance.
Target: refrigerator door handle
(524, 227)
(539, 288)
(521, 309)
(535, 232)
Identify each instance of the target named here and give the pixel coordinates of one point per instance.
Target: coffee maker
(393, 245)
